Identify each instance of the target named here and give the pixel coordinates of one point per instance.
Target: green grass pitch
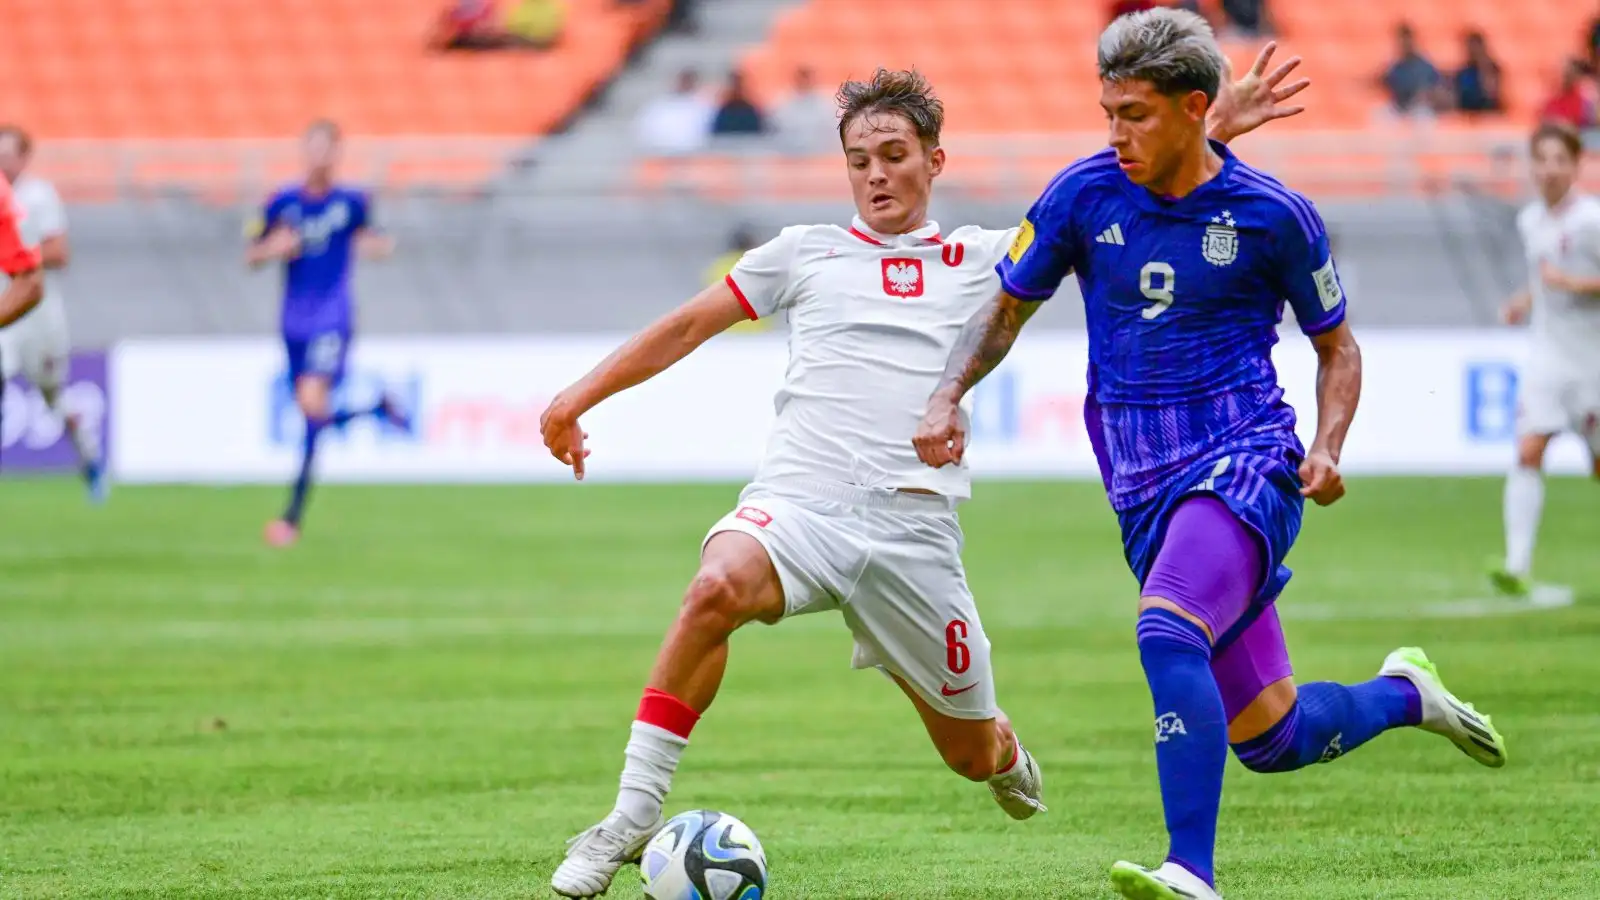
(431, 693)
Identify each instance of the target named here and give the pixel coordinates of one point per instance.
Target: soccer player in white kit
(1560, 390)
(841, 514)
(37, 346)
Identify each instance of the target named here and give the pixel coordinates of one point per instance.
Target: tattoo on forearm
(983, 343)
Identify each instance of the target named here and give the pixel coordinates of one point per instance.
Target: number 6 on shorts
(957, 657)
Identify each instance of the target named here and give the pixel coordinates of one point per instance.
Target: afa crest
(1221, 243)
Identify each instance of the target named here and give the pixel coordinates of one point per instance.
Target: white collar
(927, 234)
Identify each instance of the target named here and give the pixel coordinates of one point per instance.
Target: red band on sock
(663, 710)
(1016, 754)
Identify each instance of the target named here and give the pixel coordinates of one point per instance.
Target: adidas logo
(1112, 235)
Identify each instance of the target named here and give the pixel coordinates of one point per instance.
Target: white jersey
(41, 215)
(1565, 326)
(872, 321)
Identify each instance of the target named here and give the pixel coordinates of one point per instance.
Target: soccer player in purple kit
(315, 229)
(1185, 256)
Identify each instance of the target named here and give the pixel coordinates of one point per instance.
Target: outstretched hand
(1243, 106)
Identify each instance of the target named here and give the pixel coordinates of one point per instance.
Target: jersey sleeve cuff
(1324, 326)
(1021, 293)
(739, 295)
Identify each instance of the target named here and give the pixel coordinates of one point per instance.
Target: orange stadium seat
(137, 69)
(1027, 66)
(1019, 85)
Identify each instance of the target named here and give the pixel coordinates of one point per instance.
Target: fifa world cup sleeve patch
(1021, 243)
(1328, 285)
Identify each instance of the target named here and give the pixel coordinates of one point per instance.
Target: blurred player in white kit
(841, 514)
(37, 346)
(1560, 388)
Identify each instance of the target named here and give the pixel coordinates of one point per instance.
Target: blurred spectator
(478, 25)
(1477, 83)
(739, 243)
(807, 120)
(1247, 16)
(679, 122)
(1123, 7)
(1414, 83)
(738, 114)
(467, 25)
(537, 23)
(1594, 45)
(1575, 101)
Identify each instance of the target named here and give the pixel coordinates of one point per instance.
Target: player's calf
(735, 585)
(1275, 726)
(984, 750)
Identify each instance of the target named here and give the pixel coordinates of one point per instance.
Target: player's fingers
(1288, 111)
(1263, 58)
(1313, 480)
(1281, 94)
(958, 447)
(1282, 72)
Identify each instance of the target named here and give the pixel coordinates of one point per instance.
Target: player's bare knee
(311, 395)
(1149, 603)
(1259, 716)
(1531, 449)
(716, 602)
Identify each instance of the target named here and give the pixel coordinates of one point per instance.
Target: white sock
(652, 757)
(1017, 767)
(85, 441)
(1524, 504)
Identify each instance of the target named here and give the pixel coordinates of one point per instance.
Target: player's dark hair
(24, 140)
(1173, 49)
(328, 128)
(1565, 134)
(906, 94)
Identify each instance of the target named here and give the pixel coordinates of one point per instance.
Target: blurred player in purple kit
(315, 230)
(1186, 256)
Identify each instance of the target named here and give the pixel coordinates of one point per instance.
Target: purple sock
(1209, 566)
(1329, 720)
(1191, 735)
(302, 481)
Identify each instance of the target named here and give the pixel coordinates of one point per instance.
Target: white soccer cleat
(595, 856)
(1442, 713)
(1170, 882)
(1020, 792)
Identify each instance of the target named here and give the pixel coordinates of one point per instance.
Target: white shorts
(1552, 403)
(890, 562)
(37, 348)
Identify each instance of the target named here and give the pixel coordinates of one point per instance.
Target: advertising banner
(32, 439)
(222, 411)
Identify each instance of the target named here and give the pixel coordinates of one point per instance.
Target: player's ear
(1195, 105)
(936, 161)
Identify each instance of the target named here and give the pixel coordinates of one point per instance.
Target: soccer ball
(704, 855)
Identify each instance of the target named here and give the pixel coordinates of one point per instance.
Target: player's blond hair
(1173, 49)
(906, 94)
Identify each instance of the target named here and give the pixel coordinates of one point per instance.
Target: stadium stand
(576, 231)
(139, 69)
(1002, 67)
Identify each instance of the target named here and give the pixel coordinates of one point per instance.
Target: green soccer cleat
(1442, 713)
(1508, 583)
(1170, 882)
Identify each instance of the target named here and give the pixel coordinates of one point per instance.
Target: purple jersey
(316, 284)
(1183, 299)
